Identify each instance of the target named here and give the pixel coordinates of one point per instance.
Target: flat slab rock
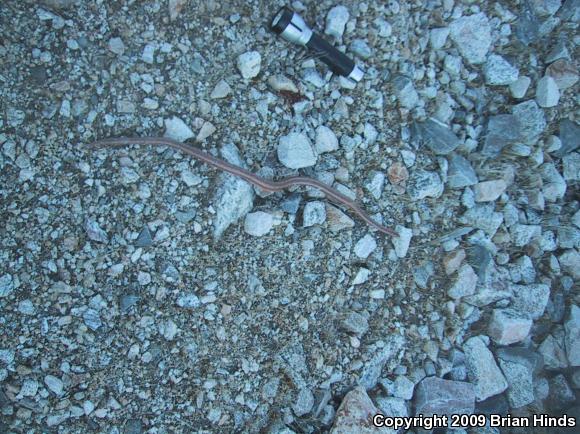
(355, 414)
(437, 396)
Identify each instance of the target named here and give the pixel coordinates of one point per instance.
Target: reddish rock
(397, 173)
(355, 414)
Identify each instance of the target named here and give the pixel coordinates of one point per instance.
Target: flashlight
(292, 27)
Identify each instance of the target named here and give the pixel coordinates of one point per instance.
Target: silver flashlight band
(297, 31)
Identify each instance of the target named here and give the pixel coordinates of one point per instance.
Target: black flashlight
(292, 27)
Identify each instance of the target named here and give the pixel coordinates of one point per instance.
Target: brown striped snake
(264, 184)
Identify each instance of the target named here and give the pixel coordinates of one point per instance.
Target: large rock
(531, 119)
(508, 326)
(355, 414)
(502, 130)
(440, 139)
(295, 151)
(518, 365)
(460, 173)
(472, 36)
(530, 300)
(437, 396)
(482, 370)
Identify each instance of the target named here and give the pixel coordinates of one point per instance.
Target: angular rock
(281, 82)
(295, 151)
(176, 129)
(355, 414)
(326, 140)
(304, 402)
(365, 246)
(554, 352)
(554, 185)
(482, 369)
(483, 217)
(402, 242)
(437, 137)
(234, 197)
(389, 356)
(444, 397)
(355, 323)
(405, 91)
(337, 220)
(530, 300)
(519, 373)
(465, 283)
(564, 73)
(531, 120)
(547, 93)
(507, 326)
(489, 191)
(523, 234)
(519, 87)
(336, 20)
(460, 173)
(472, 36)
(453, 260)
(438, 37)
(314, 214)
(258, 223)
(424, 184)
(571, 164)
(570, 137)
(249, 64)
(570, 263)
(221, 90)
(502, 130)
(499, 72)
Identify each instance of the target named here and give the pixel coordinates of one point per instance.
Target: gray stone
(176, 129)
(424, 184)
(502, 130)
(355, 414)
(499, 71)
(221, 90)
(356, 323)
(144, 239)
(507, 326)
(465, 283)
(438, 37)
(553, 351)
(564, 73)
(337, 220)
(545, 8)
(547, 93)
(530, 300)
(423, 273)
(326, 140)
(561, 394)
(6, 285)
(437, 137)
(472, 36)
(402, 242)
(571, 164)
(489, 191)
(116, 46)
(249, 64)
(554, 185)
(392, 407)
(234, 197)
(482, 369)
(460, 173)
(531, 120)
(336, 20)
(519, 87)
(403, 388)
(258, 223)
(314, 214)
(361, 48)
(295, 151)
(570, 137)
(523, 234)
(376, 184)
(54, 384)
(572, 327)
(94, 232)
(405, 91)
(365, 246)
(304, 402)
(483, 217)
(435, 396)
(520, 380)
(389, 355)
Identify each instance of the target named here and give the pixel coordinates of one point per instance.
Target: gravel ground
(142, 291)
